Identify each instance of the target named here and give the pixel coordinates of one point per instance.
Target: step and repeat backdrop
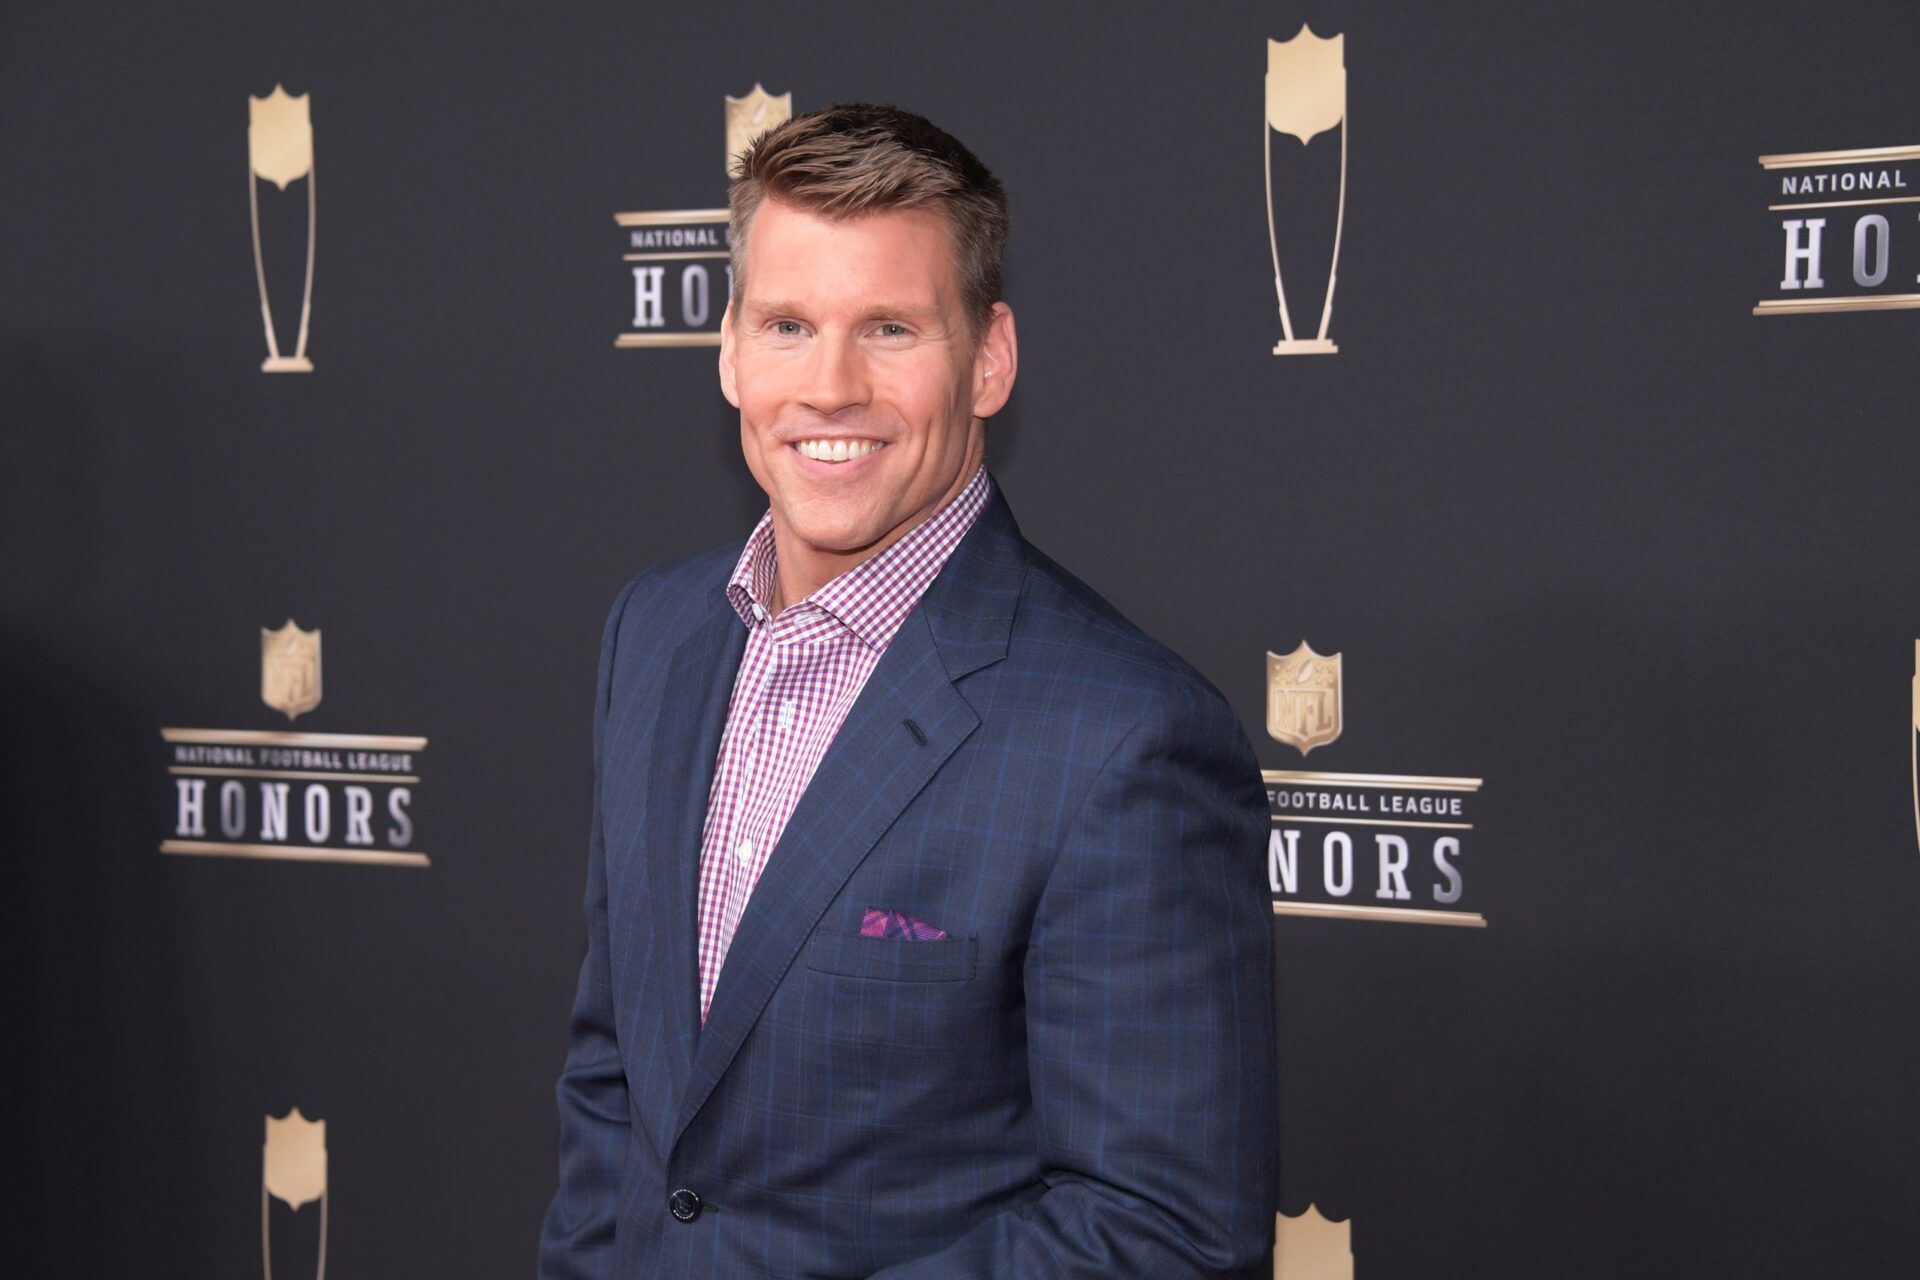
(1512, 410)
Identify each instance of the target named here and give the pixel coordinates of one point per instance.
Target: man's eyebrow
(902, 311)
(875, 311)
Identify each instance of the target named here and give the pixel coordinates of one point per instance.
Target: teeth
(838, 450)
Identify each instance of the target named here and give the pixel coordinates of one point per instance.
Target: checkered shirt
(798, 678)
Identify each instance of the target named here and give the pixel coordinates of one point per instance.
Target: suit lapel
(871, 772)
(686, 746)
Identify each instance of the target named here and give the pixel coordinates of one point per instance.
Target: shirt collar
(874, 597)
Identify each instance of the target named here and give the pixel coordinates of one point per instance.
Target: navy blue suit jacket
(1078, 1082)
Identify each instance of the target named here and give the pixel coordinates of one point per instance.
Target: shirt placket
(768, 750)
(755, 768)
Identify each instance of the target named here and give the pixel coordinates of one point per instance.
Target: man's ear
(728, 386)
(995, 363)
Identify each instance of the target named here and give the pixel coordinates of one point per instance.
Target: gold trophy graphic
(1312, 1247)
(293, 1170)
(1306, 96)
(280, 150)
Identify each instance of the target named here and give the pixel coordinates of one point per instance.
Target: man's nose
(836, 376)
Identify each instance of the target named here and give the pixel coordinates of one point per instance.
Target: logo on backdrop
(1310, 1247)
(1361, 846)
(293, 1170)
(1303, 698)
(290, 669)
(751, 116)
(676, 261)
(293, 797)
(1306, 97)
(1849, 234)
(280, 151)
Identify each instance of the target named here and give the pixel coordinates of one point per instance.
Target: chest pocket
(893, 959)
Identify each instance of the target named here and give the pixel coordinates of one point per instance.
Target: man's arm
(576, 1241)
(1149, 984)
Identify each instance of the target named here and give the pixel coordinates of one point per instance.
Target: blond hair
(854, 158)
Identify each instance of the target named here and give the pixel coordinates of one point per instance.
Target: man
(927, 932)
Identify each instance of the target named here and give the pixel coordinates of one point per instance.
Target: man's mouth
(841, 450)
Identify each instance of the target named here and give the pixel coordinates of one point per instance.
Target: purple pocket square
(892, 924)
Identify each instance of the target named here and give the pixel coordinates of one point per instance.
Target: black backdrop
(1580, 523)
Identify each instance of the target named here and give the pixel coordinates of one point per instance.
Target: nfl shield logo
(751, 116)
(1303, 698)
(290, 669)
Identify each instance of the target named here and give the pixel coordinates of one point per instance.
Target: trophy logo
(1306, 97)
(1303, 698)
(678, 264)
(751, 116)
(1843, 247)
(280, 151)
(290, 669)
(1310, 1247)
(293, 1170)
(293, 795)
(1390, 847)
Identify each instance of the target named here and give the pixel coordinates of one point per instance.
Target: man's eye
(787, 328)
(888, 329)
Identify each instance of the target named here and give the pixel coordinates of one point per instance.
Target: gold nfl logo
(1303, 698)
(290, 669)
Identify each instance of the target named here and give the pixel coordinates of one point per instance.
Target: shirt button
(744, 851)
(786, 714)
(760, 612)
(684, 1205)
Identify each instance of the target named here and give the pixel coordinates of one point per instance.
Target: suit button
(684, 1205)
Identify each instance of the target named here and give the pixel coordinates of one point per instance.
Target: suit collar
(969, 608)
(686, 743)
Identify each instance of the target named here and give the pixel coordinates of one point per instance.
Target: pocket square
(892, 924)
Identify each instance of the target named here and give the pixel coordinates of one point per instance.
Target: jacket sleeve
(1149, 988)
(576, 1240)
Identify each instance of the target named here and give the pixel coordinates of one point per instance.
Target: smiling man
(927, 926)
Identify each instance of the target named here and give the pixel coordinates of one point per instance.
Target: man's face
(860, 389)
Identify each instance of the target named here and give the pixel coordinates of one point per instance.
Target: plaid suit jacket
(1077, 1081)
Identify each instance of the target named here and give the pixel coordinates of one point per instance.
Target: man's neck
(800, 571)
